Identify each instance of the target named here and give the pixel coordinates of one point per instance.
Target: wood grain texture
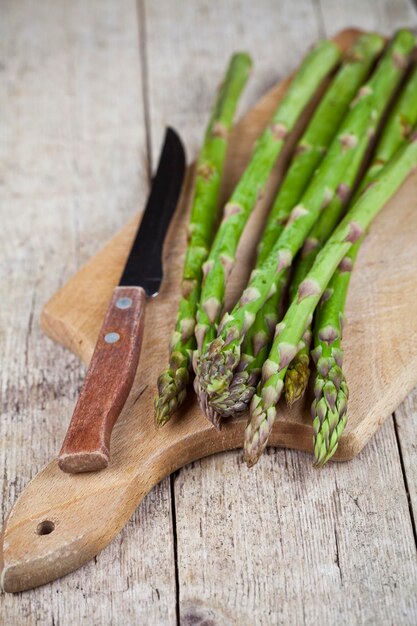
(59, 211)
(294, 545)
(107, 384)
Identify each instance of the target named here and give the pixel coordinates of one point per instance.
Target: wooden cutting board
(61, 521)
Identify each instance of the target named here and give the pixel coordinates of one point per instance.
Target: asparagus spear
(298, 372)
(331, 392)
(329, 419)
(217, 364)
(173, 381)
(308, 154)
(299, 314)
(314, 69)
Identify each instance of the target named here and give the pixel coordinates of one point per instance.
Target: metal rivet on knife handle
(112, 337)
(124, 303)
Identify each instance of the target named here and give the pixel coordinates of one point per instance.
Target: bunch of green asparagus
(356, 151)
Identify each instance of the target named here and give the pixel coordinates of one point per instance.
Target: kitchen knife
(112, 369)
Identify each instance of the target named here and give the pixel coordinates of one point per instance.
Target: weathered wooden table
(86, 91)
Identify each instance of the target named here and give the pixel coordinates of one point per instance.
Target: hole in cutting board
(45, 527)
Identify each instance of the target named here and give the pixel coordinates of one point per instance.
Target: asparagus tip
(171, 395)
(296, 379)
(207, 410)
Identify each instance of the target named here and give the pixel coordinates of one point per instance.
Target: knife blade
(113, 366)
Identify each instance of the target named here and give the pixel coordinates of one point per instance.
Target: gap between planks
(143, 56)
(143, 60)
(405, 478)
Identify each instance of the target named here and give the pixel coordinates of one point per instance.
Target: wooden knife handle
(109, 378)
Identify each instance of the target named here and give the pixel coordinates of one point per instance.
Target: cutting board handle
(62, 520)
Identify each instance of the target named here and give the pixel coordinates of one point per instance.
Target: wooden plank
(287, 544)
(308, 547)
(74, 168)
(383, 16)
